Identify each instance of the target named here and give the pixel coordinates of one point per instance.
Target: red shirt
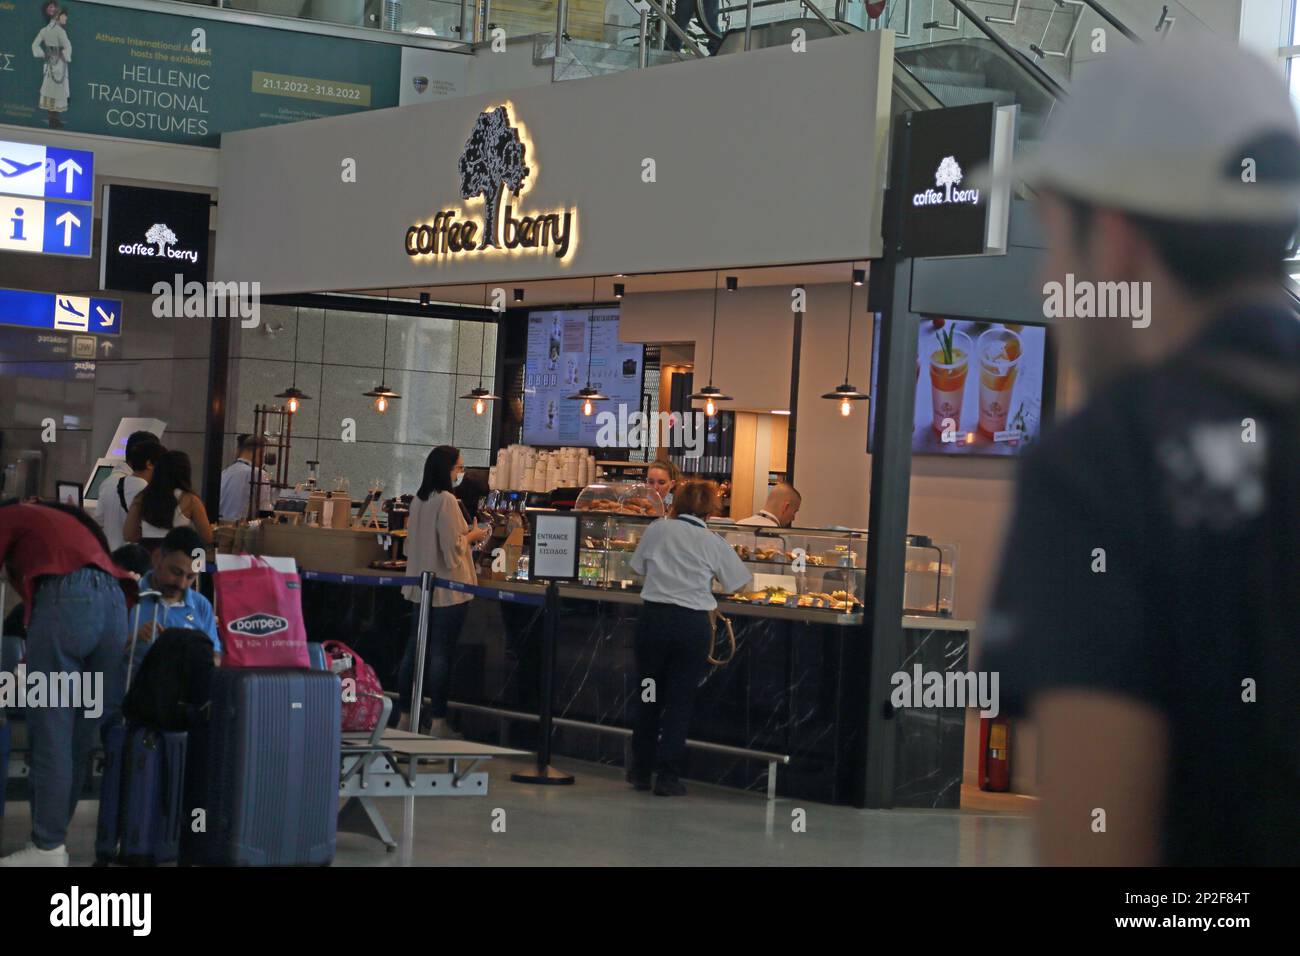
(36, 540)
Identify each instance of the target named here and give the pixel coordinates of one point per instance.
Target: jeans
(708, 12)
(671, 648)
(445, 625)
(79, 625)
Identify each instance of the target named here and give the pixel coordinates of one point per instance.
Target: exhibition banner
(110, 70)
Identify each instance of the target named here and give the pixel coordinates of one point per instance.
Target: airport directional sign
(47, 172)
(60, 312)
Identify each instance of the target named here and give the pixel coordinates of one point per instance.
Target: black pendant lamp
(479, 395)
(293, 395)
(381, 393)
(710, 394)
(587, 394)
(847, 394)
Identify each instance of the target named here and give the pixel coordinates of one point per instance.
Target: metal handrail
(671, 24)
(831, 24)
(1037, 72)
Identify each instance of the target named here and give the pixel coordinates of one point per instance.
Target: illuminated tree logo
(494, 158)
(948, 175)
(161, 237)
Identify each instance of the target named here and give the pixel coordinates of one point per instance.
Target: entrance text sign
(943, 214)
(554, 554)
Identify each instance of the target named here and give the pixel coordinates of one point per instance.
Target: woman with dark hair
(167, 502)
(438, 540)
(75, 602)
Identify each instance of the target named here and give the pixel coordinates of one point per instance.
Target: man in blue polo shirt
(173, 576)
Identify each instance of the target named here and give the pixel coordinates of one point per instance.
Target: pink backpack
(363, 699)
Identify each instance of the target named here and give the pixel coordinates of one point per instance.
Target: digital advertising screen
(979, 387)
(560, 345)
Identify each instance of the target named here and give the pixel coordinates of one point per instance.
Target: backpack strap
(121, 493)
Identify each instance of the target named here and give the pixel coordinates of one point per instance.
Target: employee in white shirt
(680, 558)
(237, 477)
(118, 491)
(779, 510)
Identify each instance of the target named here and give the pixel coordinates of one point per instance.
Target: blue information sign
(63, 313)
(47, 172)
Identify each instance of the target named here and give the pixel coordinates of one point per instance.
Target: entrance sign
(554, 554)
(60, 312)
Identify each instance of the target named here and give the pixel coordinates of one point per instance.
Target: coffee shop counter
(796, 686)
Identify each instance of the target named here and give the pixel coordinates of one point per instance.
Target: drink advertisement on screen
(979, 387)
(565, 352)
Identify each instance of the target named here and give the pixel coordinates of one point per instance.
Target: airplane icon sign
(60, 312)
(47, 172)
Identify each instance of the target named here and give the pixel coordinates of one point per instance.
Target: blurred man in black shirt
(1147, 614)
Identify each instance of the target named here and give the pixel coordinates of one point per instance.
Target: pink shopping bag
(260, 617)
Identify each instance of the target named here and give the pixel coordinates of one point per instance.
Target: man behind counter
(779, 510)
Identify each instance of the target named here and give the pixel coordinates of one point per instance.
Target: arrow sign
(67, 221)
(72, 168)
(106, 318)
(67, 229)
(106, 348)
(47, 172)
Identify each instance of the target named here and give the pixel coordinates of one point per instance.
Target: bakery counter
(796, 686)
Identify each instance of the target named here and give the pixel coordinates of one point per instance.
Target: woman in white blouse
(438, 540)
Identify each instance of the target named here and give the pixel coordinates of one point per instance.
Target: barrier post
(545, 773)
(421, 641)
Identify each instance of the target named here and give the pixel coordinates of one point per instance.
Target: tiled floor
(600, 821)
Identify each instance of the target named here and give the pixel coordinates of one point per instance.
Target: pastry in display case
(613, 516)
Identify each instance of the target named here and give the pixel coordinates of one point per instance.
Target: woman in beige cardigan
(438, 540)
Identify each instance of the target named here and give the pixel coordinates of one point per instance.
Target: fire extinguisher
(995, 754)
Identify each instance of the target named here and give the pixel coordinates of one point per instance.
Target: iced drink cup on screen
(948, 369)
(999, 355)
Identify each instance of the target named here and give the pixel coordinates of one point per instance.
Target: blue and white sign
(47, 172)
(63, 313)
(40, 226)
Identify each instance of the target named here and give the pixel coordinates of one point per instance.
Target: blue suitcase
(317, 659)
(264, 769)
(141, 800)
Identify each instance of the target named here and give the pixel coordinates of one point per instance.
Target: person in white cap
(1146, 611)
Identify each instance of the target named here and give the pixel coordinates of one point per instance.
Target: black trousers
(672, 649)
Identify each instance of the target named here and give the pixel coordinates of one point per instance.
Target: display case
(800, 567)
(796, 568)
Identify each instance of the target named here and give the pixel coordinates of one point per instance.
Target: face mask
(455, 482)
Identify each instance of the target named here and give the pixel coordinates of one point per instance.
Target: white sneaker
(35, 856)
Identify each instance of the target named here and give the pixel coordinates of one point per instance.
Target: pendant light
(381, 393)
(479, 395)
(293, 395)
(710, 394)
(846, 394)
(587, 394)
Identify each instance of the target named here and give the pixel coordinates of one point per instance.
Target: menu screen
(560, 346)
(979, 387)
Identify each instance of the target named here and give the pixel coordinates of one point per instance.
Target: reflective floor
(600, 821)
